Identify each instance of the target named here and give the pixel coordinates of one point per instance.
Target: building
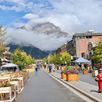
(82, 44)
(62, 49)
(6, 58)
(85, 42)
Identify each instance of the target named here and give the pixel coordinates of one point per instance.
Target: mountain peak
(45, 28)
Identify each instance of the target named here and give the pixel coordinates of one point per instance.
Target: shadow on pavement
(94, 91)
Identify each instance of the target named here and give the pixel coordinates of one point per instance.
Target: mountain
(45, 28)
(33, 51)
(52, 31)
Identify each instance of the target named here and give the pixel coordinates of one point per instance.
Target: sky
(70, 15)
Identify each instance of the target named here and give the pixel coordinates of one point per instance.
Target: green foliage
(45, 60)
(55, 59)
(65, 58)
(69, 67)
(2, 45)
(21, 58)
(98, 53)
(64, 71)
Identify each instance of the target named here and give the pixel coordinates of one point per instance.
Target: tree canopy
(97, 55)
(65, 58)
(2, 42)
(62, 59)
(55, 59)
(21, 58)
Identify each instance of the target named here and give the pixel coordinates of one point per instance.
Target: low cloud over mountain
(45, 36)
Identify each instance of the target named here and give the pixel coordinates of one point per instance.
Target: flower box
(72, 77)
(7, 94)
(85, 72)
(30, 70)
(63, 76)
(94, 73)
(17, 85)
(21, 83)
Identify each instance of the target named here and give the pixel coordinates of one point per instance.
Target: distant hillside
(33, 51)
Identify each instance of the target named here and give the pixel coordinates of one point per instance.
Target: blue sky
(69, 15)
(12, 11)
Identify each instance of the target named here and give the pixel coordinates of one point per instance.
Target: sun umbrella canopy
(9, 65)
(82, 61)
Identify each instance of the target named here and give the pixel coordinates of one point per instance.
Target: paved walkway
(85, 78)
(84, 87)
(42, 88)
(88, 78)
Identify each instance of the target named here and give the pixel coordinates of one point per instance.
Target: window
(88, 37)
(90, 46)
(83, 54)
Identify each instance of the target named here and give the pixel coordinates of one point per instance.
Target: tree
(55, 59)
(45, 60)
(97, 54)
(2, 43)
(21, 58)
(65, 58)
(62, 59)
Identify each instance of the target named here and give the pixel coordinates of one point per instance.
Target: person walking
(36, 69)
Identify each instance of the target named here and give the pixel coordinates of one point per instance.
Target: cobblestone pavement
(85, 78)
(88, 78)
(42, 88)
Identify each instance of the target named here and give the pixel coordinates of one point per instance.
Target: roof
(87, 34)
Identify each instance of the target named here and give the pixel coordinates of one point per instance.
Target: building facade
(85, 42)
(81, 45)
(62, 49)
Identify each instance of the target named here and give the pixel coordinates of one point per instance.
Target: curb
(77, 89)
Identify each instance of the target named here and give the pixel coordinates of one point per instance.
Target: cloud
(41, 41)
(30, 16)
(77, 16)
(72, 16)
(16, 5)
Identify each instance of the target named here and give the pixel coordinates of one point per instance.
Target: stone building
(82, 44)
(62, 49)
(85, 42)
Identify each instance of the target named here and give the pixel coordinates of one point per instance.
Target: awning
(9, 65)
(82, 61)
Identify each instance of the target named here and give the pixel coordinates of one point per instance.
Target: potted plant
(94, 72)
(85, 71)
(63, 74)
(4, 86)
(72, 74)
(4, 83)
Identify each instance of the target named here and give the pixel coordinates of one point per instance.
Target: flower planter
(7, 94)
(85, 72)
(30, 70)
(94, 73)
(17, 85)
(63, 76)
(21, 83)
(72, 77)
